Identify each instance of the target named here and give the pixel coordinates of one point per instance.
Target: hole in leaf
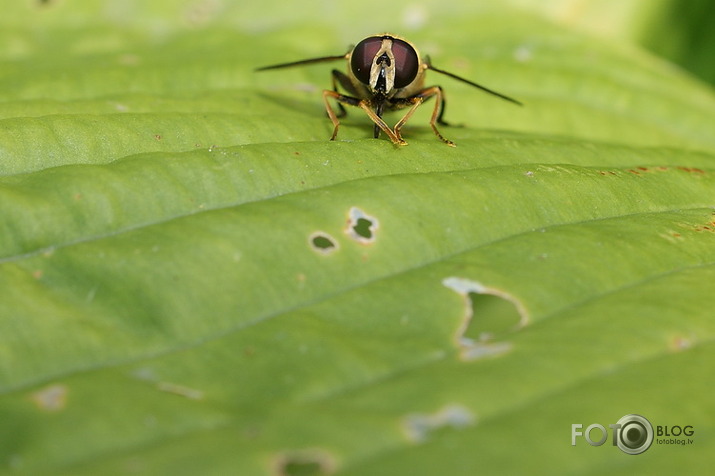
(300, 468)
(323, 243)
(361, 226)
(490, 315)
(493, 317)
(305, 463)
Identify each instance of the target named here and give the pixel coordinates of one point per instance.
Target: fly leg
(414, 102)
(363, 104)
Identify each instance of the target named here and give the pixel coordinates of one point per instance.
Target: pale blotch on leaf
(419, 426)
(523, 53)
(489, 314)
(148, 375)
(52, 398)
(680, 343)
(415, 16)
(180, 390)
(323, 243)
(305, 462)
(361, 227)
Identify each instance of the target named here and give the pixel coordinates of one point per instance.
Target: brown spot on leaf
(692, 170)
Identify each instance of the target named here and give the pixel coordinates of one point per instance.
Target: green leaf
(194, 280)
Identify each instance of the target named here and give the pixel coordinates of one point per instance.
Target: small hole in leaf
(302, 468)
(323, 243)
(305, 463)
(361, 226)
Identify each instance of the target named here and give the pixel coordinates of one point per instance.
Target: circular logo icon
(635, 434)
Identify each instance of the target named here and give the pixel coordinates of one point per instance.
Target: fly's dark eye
(406, 63)
(362, 57)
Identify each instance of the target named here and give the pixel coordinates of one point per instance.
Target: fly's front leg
(413, 103)
(338, 77)
(438, 111)
(394, 136)
(342, 99)
(363, 104)
(442, 108)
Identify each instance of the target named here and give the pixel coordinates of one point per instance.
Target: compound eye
(406, 63)
(362, 57)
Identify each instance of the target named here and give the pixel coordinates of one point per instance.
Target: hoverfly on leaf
(385, 73)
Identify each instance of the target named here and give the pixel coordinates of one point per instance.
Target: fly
(385, 73)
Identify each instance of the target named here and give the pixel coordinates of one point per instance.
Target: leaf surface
(194, 279)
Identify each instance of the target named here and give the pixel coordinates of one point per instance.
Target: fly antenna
(472, 83)
(322, 59)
